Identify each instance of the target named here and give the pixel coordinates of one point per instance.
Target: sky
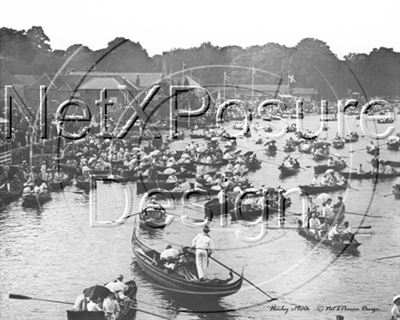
(345, 25)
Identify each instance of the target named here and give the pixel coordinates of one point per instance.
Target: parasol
(96, 292)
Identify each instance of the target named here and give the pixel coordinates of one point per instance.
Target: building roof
(146, 79)
(26, 79)
(304, 91)
(99, 83)
(44, 80)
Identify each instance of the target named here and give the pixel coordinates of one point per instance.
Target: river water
(52, 252)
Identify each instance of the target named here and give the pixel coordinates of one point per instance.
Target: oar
(240, 275)
(23, 297)
(363, 215)
(389, 257)
(387, 195)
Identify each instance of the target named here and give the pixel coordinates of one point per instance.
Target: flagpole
(183, 71)
(252, 84)
(224, 86)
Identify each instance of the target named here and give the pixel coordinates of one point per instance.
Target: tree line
(311, 62)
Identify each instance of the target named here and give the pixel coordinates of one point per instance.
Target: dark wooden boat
(289, 148)
(82, 184)
(56, 186)
(220, 163)
(33, 200)
(9, 196)
(287, 172)
(394, 164)
(396, 191)
(154, 218)
(184, 279)
(372, 150)
(320, 157)
(127, 307)
(335, 245)
(369, 175)
(322, 189)
(198, 136)
(324, 167)
(351, 138)
(393, 145)
(386, 120)
(338, 143)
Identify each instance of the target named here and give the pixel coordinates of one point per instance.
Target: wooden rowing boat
(322, 189)
(322, 168)
(184, 280)
(127, 307)
(369, 175)
(9, 196)
(338, 143)
(33, 200)
(320, 156)
(287, 172)
(56, 186)
(335, 245)
(154, 218)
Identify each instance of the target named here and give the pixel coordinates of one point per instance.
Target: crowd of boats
(212, 167)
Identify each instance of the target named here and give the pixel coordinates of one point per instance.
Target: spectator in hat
(396, 308)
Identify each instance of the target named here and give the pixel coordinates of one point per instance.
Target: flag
(291, 78)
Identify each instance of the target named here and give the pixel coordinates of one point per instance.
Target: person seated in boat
(389, 169)
(93, 306)
(27, 189)
(204, 246)
(395, 312)
(340, 180)
(296, 163)
(154, 205)
(111, 307)
(346, 233)
(36, 188)
(177, 188)
(80, 303)
(43, 187)
(118, 287)
(315, 180)
(327, 212)
(172, 178)
(315, 225)
(360, 169)
(339, 209)
(331, 162)
(334, 233)
(169, 257)
(185, 185)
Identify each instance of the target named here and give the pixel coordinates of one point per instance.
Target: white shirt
(110, 306)
(315, 223)
(170, 253)
(201, 241)
(327, 211)
(395, 312)
(332, 232)
(91, 306)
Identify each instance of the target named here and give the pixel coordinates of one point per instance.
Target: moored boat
(8, 196)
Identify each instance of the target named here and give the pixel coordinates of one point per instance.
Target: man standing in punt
(204, 246)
